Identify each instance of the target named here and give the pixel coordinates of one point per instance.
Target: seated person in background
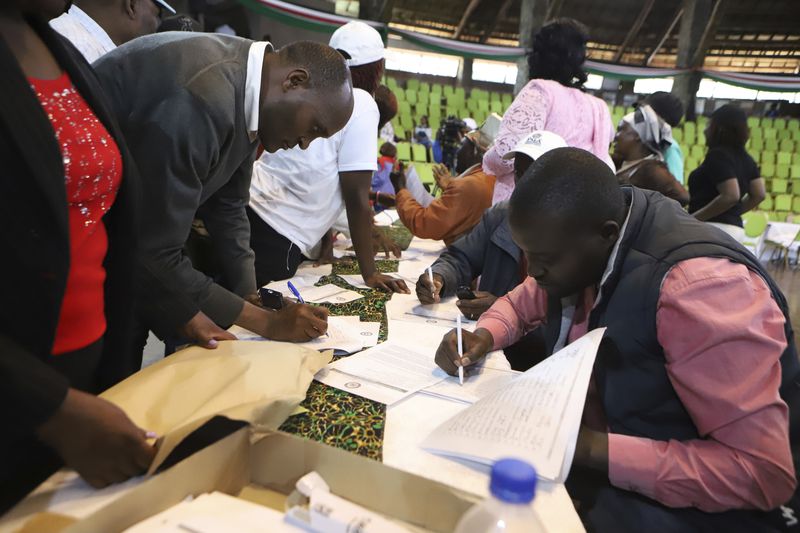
(686, 422)
(488, 252)
(382, 190)
(641, 138)
(670, 109)
(192, 108)
(463, 200)
(296, 195)
(728, 183)
(423, 134)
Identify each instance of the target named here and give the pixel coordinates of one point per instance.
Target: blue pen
(295, 292)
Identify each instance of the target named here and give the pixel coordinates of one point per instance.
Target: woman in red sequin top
(67, 231)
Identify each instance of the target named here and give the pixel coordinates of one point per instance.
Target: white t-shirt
(83, 32)
(297, 192)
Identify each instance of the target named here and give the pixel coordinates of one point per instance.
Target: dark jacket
(180, 102)
(630, 371)
(34, 239)
(486, 251)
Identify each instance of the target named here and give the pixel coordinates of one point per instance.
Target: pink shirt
(581, 119)
(722, 335)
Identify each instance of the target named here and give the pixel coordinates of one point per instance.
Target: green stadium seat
(403, 108)
(753, 121)
(782, 171)
(497, 107)
(796, 205)
(771, 144)
(391, 83)
(483, 105)
(779, 123)
(413, 84)
(767, 122)
(755, 223)
(757, 144)
(784, 158)
(767, 170)
(473, 105)
(767, 204)
(756, 133)
(407, 122)
(419, 153)
(434, 110)
(767, 156)
(770, 133)
(425, 173)
(436, 88)
(779, 186)
(507, 99)
(783, 202)
(697, 151)
(435, 122)
(755, 155)
(701, 138)
(677, 134)
(460, 93)
(411, 96)
(793, 124)
(423, 99)
(448, 91)
(404, 151)
(399, 131)
(796, 158)
(796, 136)
(784, 135)
(451, 110)
(424, 88)
(794, 172)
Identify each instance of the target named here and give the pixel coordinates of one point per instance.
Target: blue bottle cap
(513, 481)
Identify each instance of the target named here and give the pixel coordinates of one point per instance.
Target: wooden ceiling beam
(473, 4)
(664, 36)
(501, 15)
(637, 25)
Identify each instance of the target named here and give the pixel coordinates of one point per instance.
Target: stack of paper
(535, 417)
(306, 277)
(329, 293)
(406, 307)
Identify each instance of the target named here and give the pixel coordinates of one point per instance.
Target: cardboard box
(264, 468)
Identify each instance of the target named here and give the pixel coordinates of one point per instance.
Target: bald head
(566, 214)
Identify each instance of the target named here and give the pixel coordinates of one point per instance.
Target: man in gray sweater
(192, 108)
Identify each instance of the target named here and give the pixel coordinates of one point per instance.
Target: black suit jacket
(34, 243)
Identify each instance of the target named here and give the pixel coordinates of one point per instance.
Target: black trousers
(27, 462)
(277, 257)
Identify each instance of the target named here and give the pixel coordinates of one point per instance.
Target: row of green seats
(781, 203)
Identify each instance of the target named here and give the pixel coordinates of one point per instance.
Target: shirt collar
(252, 85)
(614, 253)
(92, 27)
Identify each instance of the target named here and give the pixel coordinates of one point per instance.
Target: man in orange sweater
(463, 201)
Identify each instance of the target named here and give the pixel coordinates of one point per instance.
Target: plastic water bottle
(508, 509)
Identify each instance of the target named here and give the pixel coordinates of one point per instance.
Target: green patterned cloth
(336, 417)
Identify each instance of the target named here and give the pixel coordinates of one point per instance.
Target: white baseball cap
(166, 6)
(360, 42)
(536, 144)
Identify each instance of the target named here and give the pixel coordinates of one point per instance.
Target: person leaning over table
(193, 107)
(462, 203)
(686, 425)
(487, 252)
(296, 196)
(69, 242)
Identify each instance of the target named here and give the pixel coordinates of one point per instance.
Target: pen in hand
(433, 286)
(300, 299)
(460, 350)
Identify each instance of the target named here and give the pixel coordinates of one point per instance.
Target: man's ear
(295, 79)
(609, 231)
(130, 7)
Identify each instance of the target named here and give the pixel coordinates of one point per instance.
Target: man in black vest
(686, 426)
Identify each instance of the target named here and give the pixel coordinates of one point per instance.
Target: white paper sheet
(393, 365)
(354, 280)
(347, 334)
(406, 307)
(329, 293)
(410, 420)
(377, 392)
(387, 217)
(479, 382)
(782, 233)
(535, 417)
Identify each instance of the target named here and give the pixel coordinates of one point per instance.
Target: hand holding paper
(475, 345)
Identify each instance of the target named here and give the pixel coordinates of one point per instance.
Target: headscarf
(653, 131)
